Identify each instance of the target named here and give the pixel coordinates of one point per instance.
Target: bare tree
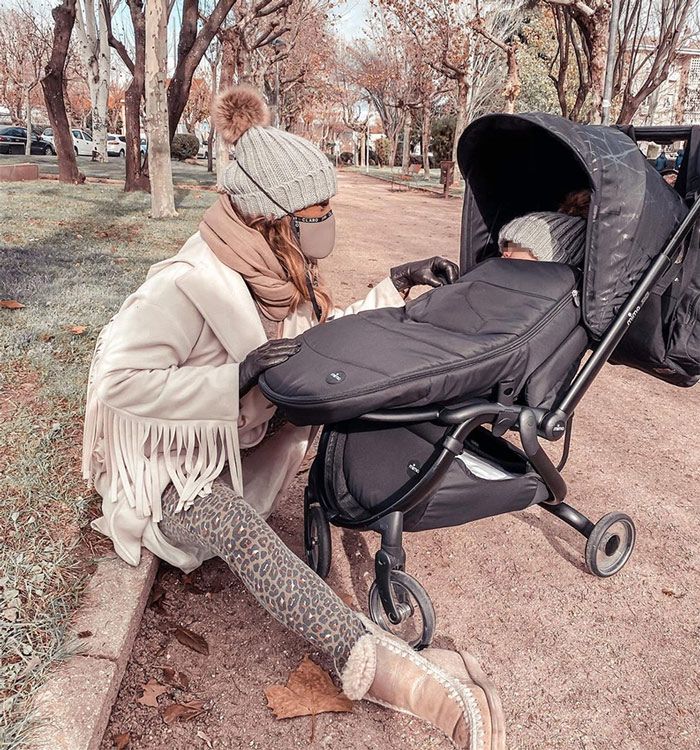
(53, 85)
(93, 29)
(498, 29)
(136, 162)
(24, 49)
(650, 36)
(159, 166)
(442, 30)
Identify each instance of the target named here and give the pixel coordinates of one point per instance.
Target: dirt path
(581, 663)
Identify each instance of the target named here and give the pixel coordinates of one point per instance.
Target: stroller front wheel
(610, 544)
(412, 601)
(317, 540)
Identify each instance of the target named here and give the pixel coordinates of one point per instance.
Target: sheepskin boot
(446, 688)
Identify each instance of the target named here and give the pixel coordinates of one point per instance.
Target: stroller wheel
(610, 544)
(417, 624)
(317, 540)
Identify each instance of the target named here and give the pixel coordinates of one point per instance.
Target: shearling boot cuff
(358, 674)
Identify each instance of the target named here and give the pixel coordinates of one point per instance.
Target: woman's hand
(435, 271)
(268, 355)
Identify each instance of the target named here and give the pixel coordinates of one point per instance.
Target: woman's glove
(268, 355)
(432, 271)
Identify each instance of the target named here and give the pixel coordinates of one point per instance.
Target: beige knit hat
(289, 170)
(549, 235)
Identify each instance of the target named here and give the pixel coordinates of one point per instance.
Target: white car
(82, 141)
(203, 152)
(116, 145)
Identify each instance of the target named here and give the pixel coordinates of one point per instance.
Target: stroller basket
(361, 465)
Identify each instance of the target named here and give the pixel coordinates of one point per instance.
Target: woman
(173, 403)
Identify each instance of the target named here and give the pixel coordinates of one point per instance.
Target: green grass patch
(70, 255)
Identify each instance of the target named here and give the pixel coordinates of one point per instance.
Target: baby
(555, 236)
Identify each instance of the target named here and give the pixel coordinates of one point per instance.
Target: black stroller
(417, 400)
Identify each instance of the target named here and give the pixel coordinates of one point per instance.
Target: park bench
(403, 181)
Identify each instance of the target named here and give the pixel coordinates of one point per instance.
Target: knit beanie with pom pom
(290, 169)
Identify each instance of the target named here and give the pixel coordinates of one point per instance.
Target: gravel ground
(581, 663)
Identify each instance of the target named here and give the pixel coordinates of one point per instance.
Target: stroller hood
(517, 164)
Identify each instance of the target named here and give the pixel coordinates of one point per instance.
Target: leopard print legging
(226, 526)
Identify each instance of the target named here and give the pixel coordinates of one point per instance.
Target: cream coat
(162, 402)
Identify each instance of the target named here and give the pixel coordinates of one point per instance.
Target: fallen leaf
(192, 640)
(670, 592)
(11, 304)
(151, 690)
(182, 711)
(204, 737)
(190, 585)
(84, 633)
(177, 679)
(309, 691)
(155, 598)
(78, 329)
(121, 741)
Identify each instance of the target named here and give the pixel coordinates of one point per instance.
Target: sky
(351, 15)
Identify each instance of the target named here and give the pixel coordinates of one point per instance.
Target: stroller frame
(393, 589)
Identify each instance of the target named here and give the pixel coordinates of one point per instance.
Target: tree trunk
(93, 45)
(159, 165)
(99, 110)
(511, 90)
(393, 148)
(28, 119)
(136, 162)
(52, 84)
(228, 62)
(406, 151)
(425, 139)
(461, 120)
(191, 49)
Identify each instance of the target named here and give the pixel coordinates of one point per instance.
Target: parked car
(13, 141)
(203, 152)
(116, 145)
(82, 141)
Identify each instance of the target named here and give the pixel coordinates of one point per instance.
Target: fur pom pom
(238, 108)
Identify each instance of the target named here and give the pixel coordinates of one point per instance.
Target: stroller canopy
(516, 164)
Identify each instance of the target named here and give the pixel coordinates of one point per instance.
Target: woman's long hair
(279, 235)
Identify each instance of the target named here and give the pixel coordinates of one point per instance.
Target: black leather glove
(268, 355)
(432, 271)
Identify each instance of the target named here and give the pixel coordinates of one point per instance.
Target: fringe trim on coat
(131, 449)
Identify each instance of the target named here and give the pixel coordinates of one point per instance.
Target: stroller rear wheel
(317, 540)
(610, 544)
(417, 625)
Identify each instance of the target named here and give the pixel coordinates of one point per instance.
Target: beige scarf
(245, 250)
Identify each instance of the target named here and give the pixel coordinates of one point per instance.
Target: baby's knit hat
(548, 235)
(291, 169)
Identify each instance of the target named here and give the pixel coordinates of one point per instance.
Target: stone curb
(74, 705)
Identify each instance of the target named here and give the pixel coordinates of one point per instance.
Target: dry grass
(70, 255)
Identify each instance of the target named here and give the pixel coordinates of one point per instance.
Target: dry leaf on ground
(11, 304)
(177, 679)
(182, 711)
(309, 691)
(121, 741)
(204, 737)
(78, 330)
(192, 640)
(156, 596)
(151, 690)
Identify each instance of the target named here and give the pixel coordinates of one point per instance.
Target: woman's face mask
(315, 234)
